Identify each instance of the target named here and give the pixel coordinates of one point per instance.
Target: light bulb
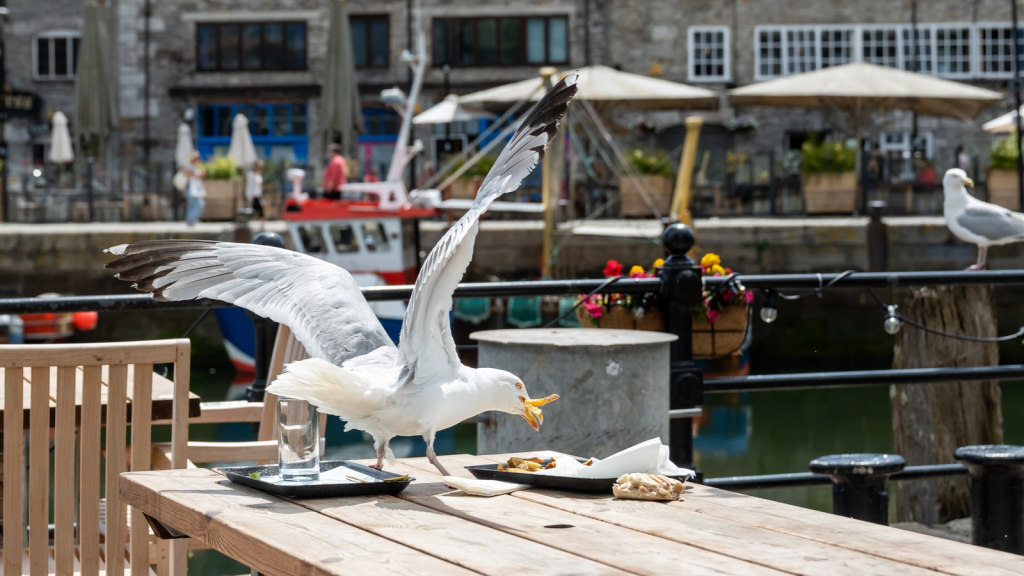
(892, 324)
(769, 314)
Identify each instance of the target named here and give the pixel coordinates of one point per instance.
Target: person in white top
(254, 190)
(195, 192)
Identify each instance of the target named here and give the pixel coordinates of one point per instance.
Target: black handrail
(854, 378)
(805, 479)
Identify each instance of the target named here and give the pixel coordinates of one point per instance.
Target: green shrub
(220, 168)
(481, 168)
(1003, 155)
(827, 158)
(657, 164)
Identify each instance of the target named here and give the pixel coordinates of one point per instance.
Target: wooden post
(931, 421)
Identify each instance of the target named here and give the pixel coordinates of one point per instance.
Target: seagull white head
(956, 179)
(511, 396)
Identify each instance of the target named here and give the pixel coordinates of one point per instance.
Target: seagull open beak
(969, 182)
(532, 412)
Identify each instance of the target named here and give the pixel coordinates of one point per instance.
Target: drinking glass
(298, 445)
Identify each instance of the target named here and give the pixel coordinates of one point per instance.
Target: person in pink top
(336, 173)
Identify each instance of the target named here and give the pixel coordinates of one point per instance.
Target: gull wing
(426, 350)
(320, 302)
(991, 221)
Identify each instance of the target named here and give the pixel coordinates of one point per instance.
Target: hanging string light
(892, 322)
(768, 312)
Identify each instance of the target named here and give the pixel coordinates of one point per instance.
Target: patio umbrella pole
(1016, 100)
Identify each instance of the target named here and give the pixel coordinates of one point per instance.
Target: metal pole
(772, 186)
(4, 204)
(88, 187)
(145, 85)
(916, 68)
(997, 495)
(681, 289)
(266, 333)
(1017, 103)
(859, 484)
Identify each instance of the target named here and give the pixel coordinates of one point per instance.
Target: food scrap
(531, 464)
(254, 475)
(648, 487)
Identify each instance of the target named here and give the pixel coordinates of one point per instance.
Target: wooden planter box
(631, 199)
(830, 193)
(723, 337)
(621, 318)
(465, 188)
(1001, 188)
(223, 199)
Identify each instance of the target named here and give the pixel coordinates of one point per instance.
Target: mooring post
(266, 332)
(997, 495)
(859, 483)
(681, 290)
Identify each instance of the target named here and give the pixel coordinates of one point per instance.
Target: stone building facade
(717, 44)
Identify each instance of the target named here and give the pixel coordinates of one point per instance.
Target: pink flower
(749, 297)
(727, 295)
(613, 269)
(712, 316)
(593, 308)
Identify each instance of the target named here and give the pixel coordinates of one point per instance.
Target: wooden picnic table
(162, 395)
(431, 529)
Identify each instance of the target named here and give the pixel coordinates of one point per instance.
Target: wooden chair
(75, 372)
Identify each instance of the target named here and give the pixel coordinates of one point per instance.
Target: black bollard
(997, 495)
(681, 289)
(266, 332)
(859, 483)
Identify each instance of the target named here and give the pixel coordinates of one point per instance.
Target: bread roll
(647, 487)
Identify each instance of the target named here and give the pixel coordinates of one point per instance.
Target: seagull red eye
(519, 385)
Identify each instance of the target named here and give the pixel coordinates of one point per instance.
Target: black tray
(324, 489)
(491, 472)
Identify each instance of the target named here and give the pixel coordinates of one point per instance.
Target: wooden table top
(431, 529)
(163, 390)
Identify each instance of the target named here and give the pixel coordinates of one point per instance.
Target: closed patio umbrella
(1003, 124)
(183, 150)
(241, 150)
(93, 105)
(340, 93)
(60, 141)
(450, 110)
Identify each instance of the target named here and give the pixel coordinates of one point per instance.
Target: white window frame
(852, 44)
(906, 144)
(927, 45)
(897, 43)
(815, 44)
(726, 54)
(972, 43)
(71, 36)
(978, 72)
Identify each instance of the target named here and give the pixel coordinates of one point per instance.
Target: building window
(709, 53)
(54, 56)
(251, 46)
(923, 48)
(513, 41)
(769, 53)
(370, 40)
(279, 130)
(878, 46)
(801, 50)
(995, 44)
(835, 47)
(953, 51)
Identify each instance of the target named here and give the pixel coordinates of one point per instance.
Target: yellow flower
(636, 270)
(710, 259)
(716, 269)
(659, 262)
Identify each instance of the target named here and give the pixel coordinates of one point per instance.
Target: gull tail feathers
(333, 390)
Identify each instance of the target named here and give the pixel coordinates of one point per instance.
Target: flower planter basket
(465, 188)
(620, 317)
(1001, 188)
(723, 337)
(830, 193)
(632, 189)
(222, 199)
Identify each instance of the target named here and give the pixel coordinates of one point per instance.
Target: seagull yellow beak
(532, 412)
(969, 182)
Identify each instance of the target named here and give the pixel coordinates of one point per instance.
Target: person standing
(963, 161)
(254, 190)
(195, 192)
(336, 173)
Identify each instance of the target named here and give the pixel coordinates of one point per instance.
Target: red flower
(749, 297)
(712, 316)
(613, 269)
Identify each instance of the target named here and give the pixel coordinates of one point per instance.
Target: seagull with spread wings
(976, 222)
(355, 371)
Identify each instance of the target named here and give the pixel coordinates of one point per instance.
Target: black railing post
(681, 289)
(88, 187)
(997, 495)
(773, 186)
(859, 483)
(266, 332)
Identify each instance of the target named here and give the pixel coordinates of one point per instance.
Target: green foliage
(827, 158)
(1003, 155)
(481, 168)
(221, 168)
(656, 164)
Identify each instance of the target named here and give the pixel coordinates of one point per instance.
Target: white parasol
(1005, 123)
(450, 110)
(242, 150)
(183, 150)
(60, 141)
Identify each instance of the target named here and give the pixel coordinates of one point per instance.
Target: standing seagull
(355, 371)
(977, 222)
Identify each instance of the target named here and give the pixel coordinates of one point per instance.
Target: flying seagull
(977, 222)
(355, 371)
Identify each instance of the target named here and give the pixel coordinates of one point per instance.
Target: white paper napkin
(650, 457)
(477, 487)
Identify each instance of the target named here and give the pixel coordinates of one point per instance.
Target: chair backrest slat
(14, 523)
(39, 471)
(89, 472)
(117, 410)
(67, 389)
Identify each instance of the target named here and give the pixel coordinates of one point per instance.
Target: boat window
(344, 238)
(312, 239)
(374, 237)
